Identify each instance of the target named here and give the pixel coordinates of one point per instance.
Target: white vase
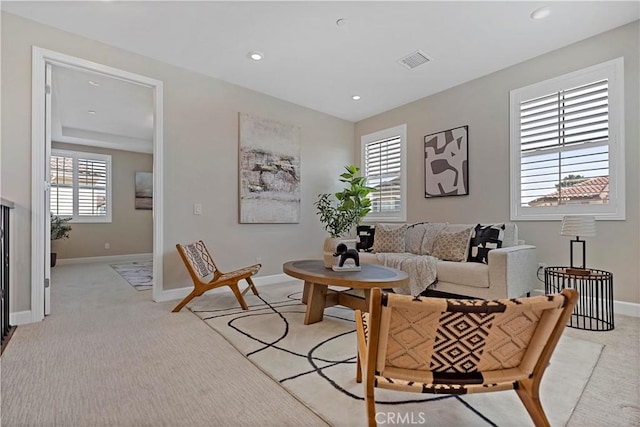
(330, 244)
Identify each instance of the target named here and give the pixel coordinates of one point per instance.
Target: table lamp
(578, 225)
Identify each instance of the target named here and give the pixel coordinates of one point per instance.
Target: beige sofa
(508, 271)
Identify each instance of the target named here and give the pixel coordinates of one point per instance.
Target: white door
(47, 193)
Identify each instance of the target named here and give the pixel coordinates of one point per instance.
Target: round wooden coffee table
(317, 279)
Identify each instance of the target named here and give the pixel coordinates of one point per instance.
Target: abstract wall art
(446, 166)
(144, 190)
(269, 171)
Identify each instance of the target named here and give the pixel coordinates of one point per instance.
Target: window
(567, 145)
(384, 166)
(80, 186)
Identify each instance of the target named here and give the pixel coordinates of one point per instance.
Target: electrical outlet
(107, 245)
(258, 260)
(197, 209)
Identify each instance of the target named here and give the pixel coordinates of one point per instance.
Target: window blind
(61, 185)
(564, 146)
(92, 187)
(79, 186)
(383, 167)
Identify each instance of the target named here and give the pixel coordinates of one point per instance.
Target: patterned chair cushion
(199, 258)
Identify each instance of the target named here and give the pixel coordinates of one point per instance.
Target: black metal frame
(594, 310)
(584, 252)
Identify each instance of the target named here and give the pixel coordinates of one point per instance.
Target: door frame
(39, 182)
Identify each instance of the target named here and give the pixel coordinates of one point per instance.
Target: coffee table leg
(316, 298)
(305, 292)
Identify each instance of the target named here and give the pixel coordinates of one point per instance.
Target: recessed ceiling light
(355, 97)
(256, 56)
(91, 112)
(540, 13)
(92, 83)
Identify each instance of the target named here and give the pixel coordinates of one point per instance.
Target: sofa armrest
(512, 271)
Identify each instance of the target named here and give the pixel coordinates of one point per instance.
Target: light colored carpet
(139, 274)
(109, 356)
(317, 364)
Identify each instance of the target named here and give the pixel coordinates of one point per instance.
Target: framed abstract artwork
(269, 171)
(446, 165)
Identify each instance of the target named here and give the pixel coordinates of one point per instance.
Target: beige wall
(200, 157)
(130, 230)
(483, 104)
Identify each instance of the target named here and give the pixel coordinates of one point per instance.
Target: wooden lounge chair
(448, 346)
(200, 265)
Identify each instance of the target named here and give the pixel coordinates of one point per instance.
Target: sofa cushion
(431, 232)
(452, 245)
(463, 273)
(483, 239)
(413, 238)
(389, 238)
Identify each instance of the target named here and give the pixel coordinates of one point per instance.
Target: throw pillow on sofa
(483, 239)
(432, 230)
(414, 236)
(389, 238)
(452, 245)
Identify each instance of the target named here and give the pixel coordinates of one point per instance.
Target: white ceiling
(101, 111)
(311, 61)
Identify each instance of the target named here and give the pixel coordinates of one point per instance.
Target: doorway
(44, 60)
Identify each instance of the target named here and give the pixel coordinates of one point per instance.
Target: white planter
(329, 249)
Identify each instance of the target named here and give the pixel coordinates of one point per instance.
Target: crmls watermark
(401, 418)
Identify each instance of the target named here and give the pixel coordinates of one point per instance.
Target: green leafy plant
(59, 227)
(351, 205)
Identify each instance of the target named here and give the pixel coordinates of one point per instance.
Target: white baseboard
(626, 308)
(179, 293)
(619, 307)
(20, 318)
(109, 258)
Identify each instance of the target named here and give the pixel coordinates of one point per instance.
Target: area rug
(316, 363)
(139, 274)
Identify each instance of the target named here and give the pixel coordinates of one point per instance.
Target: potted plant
(59, 230)
(341, 215)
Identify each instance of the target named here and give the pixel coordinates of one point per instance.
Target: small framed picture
(446, 165)
(144, 190)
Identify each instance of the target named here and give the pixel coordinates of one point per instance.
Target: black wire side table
(594, 310)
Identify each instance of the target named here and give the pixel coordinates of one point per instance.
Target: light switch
(197, 209)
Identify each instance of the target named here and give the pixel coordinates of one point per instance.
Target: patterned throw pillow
(389, 238)
(432, 230)
(483, 239)
(452, 245)
(415, 233)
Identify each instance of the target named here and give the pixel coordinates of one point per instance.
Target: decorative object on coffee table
(446, 166)
(578, 225)
(345, 254)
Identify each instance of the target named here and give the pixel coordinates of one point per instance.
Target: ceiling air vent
(414, 60)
